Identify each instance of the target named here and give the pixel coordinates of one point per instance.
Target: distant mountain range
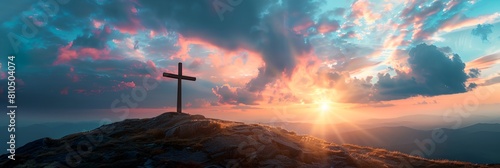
(478, 143)
(183, 140)
(29, 133)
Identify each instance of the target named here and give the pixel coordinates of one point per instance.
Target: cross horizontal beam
(175, 76)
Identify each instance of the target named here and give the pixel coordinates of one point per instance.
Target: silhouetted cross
(179, 77)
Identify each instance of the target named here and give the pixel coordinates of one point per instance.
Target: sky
(255, 61)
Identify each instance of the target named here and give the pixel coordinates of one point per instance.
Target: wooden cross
(179, 77)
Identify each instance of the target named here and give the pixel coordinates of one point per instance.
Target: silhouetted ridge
(183, 140)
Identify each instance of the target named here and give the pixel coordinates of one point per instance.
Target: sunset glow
(381, 73)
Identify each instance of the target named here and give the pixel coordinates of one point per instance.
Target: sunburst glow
(324, 106)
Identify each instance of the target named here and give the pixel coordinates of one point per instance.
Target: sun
(324, 106)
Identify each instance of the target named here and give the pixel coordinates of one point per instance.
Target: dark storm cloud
(432, 73)
(259, 83)
(96, 39)
(482, 31)
(198, 19)
(246, 26)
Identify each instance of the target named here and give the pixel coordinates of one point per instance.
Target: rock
(218, 144)
(287, 146)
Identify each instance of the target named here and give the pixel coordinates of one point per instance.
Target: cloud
(361, 9)
(474, 73)
(424, 102)
(67, 54)
(355, 64)
(460, 21)
(492, 81)
(484, 62)
(432, 73)
(199, 103)
(235, 96)
(266, 34)
(423, 19)
(327, 26)
(93, 39)
(195, 65)
(482, 31)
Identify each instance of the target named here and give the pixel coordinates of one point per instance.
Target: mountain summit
(183, 140)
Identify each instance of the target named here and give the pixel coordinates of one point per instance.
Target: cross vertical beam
(179, 89)
(179, 78)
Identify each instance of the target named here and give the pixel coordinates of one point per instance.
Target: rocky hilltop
(183, 140)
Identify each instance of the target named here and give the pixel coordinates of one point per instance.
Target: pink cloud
(328, 26)
(460, 21)
(484, 62)
(302, 26)
(131, 27)
(66, 54)
(151, 64)
(184, 43)
(97, 24)
(133, 10)
(362, 9)
(161, 32)
(128, 84)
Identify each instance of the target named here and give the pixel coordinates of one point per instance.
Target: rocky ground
(183, 140)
